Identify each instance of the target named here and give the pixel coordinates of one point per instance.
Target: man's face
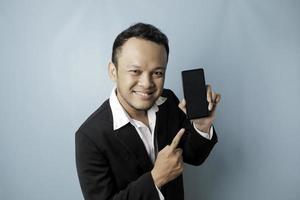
(140, 74)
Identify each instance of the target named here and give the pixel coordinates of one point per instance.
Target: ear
(112, 71)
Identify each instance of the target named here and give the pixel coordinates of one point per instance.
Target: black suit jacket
(115, 164)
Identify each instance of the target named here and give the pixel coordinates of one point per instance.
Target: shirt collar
(120, 116)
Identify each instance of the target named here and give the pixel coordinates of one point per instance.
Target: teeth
(143, 94)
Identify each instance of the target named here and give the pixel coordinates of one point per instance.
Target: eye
(134, 72)
(158, 73)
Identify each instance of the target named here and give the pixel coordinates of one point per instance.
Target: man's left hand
(204, 124)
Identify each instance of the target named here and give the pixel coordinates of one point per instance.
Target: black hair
(139, 30)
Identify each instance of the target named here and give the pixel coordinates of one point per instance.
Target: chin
(143, 104)
(144, 107)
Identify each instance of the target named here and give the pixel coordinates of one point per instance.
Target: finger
(178, 154)
(218, 98)
(176, 139)
(182, 105)
(179, 157)
(214, 96)
(216, 101)
(213, 111)
(210, 98)
(213, 101)
(208, 93)
(178, 151)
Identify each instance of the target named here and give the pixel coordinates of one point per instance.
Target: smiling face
(140, 74)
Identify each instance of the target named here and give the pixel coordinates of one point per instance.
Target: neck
(142, 118)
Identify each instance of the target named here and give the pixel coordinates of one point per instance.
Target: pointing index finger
(177, 138)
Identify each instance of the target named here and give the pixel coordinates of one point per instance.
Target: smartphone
(195, 94)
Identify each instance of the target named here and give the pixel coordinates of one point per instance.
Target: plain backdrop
(53, 75)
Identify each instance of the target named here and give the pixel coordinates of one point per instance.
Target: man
(134, 145)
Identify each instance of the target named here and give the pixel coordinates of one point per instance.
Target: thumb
(182, 105)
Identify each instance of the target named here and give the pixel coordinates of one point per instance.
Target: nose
(146, 81)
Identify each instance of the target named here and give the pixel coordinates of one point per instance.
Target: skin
(139, 77)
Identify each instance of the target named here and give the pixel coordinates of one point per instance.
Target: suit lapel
(161, 131)
(129, 137)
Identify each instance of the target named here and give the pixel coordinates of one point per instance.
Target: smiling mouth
(143, 94)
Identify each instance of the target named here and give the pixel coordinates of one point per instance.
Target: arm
(196, 148)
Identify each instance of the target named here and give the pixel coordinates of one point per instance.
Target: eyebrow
(137, 66)
(163, 68)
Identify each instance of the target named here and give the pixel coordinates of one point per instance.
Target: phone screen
(195, 94)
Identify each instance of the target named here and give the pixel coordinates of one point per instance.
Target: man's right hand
(169, 163)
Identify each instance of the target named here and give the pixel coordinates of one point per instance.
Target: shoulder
(99, 121)
(170, 95)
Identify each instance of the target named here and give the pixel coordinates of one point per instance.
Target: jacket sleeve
(96, 178)
(195, 147)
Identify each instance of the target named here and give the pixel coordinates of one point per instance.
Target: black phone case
(195, 94)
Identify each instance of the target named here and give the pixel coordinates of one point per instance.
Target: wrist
(157, 181)
(203, 127)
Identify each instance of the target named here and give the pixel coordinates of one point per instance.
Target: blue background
(53, 74)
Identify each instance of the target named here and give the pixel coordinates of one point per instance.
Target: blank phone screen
(194, 89)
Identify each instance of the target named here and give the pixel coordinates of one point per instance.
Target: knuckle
(181, 170)
(214, 95)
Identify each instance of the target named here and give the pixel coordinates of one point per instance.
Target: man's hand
(168, 164)
(204, 124)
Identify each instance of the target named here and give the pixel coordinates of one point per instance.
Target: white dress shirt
(121, 118)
